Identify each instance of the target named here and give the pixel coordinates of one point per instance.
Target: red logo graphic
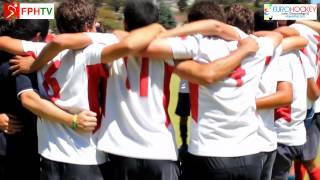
(11, 10)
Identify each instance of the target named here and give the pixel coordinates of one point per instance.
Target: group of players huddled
(101, 99)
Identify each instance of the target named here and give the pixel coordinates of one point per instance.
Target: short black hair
(139, 13)
(27, 29)
(6, 27)
(75, 15)
(206, 10)
(291, 1)
(261, 24)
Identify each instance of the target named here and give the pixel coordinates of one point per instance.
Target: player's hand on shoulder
(249, 44)
(21, 64)
(9, 124)
(87, 121)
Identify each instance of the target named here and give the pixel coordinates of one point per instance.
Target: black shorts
(310, 148)
(222, 168)
(285, 156)
(183, 105)
(268, 162)
(53, 170)
(125, 168)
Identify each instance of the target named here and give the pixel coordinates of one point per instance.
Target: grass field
(174, 90)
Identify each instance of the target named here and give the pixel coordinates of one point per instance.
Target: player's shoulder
(103, 38)
(303, 29)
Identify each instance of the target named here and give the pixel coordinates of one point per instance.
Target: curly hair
(75, 16)
(241, 17)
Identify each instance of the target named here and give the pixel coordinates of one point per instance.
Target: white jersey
(290, 119)
(273, 73)
(224, 114)
(71, 81)
(184, 86)
(312, 52)
(137, 123)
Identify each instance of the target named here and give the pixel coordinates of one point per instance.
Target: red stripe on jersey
(237, 74)
(304, 51)
(183, 37)
(166, 90)
(144, 77)
(97, 78)
(318, 48)
(127, 80)
(283, 112)
(32, 54)
(268, 60)
(318, 81)
(194, 94)
(51, 81)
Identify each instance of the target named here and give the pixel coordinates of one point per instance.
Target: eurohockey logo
(290, 11)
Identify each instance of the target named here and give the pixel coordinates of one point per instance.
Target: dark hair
(261, 24)
(139, 13)
(75, 15)
(27, 29)
(6, 27)
(206, 10)
(240, 16)
(291, 1)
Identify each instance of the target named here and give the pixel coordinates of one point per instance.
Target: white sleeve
(241, 33)
(93, 53)
(184, 48)
(103, 38)
(266, 47)
(34, 47)
(307, 66)
(284, 69)
(278, 51)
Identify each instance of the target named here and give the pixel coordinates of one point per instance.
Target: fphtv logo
(290, 11)
(28, 10)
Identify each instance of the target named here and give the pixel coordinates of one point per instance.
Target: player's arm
(282, 97)
(9, 124)
(59, 43)
(136, 41)
(287, 31)
(315, 25)
(133, 43)
(274, 36)
(293, 43)
(11, 45)
(86, 121)
(206, 27)
(206, 74)
(313, 90)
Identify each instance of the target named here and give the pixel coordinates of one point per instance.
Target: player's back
(290, 119)
(72, 81)
(223, 114)
(137, 110)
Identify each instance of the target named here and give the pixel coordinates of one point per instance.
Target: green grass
(174, 89)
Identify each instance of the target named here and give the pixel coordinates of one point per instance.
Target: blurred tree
(165, 16)
(256, 3)
(182, 4)
(108, 19)
(115, 4)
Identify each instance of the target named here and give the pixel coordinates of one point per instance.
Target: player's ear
(37, 37)
(125, 25)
